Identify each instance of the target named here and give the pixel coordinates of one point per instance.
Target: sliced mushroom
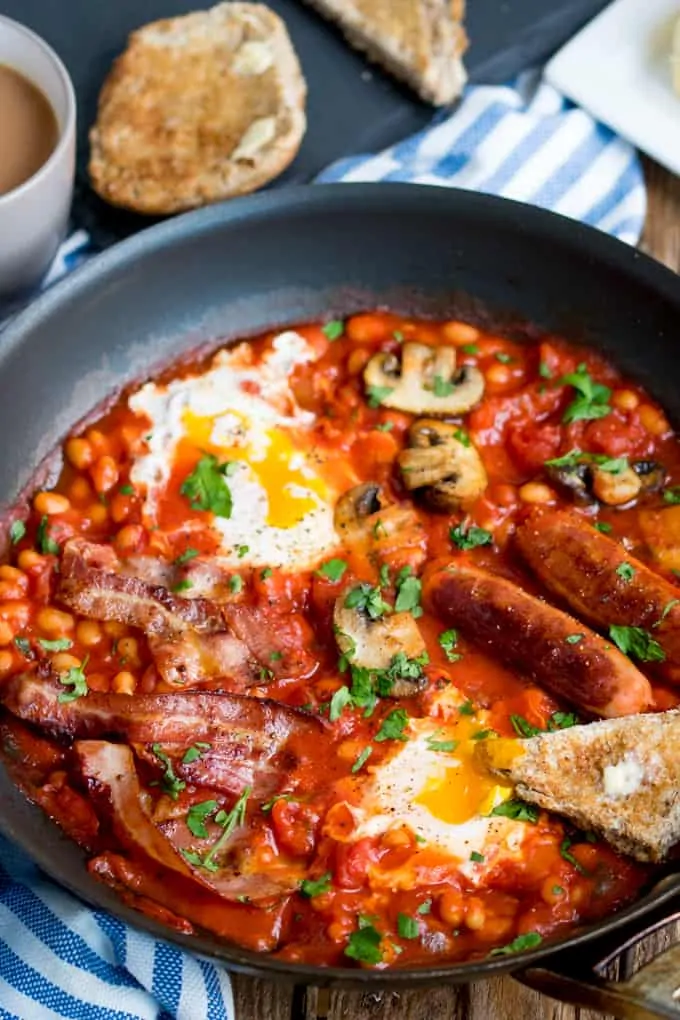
(589, 482)
(425, 381)
(444, 468)
(363, 514)
(373, 644)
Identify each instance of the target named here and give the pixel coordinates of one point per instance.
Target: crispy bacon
(191, 659)
(93, 584)
(280, 642)
(109, 771)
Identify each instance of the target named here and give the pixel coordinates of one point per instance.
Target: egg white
(250, 413)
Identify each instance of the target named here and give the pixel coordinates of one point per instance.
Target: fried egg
(243, 413)
(431, 786)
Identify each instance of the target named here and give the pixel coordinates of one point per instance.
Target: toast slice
(620, 778)
(419, 41)
(197, 109)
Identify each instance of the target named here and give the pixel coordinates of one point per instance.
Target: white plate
(618, 67)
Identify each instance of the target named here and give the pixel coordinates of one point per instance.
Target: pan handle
(651, 992)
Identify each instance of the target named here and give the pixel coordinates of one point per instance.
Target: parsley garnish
(477, 857)
(637, 643)
(75, 679)
(603, 527)
(424, 907)
(333, 329)
(170, 782)
(228, 820)
(462, 436)
(364, 944)
(197, 816)
(441, 387)
(242, 550)
(672, 495)
(367, 599)
(376, 394)
(61, 644)
(523, 728)
(268, 805)
(17, 531)
(470, 536)
(470, 349)
(565, 853)
(448, 639)
(592, 400)
(503, 357)
(407, 927)
(518, 810)
(24, 646)
(562, 721)
(194, 752)
(467, 708)
(341, 698)
(333, 570)
(362, 759)
(441, 745)
(519, 945)
(626, 572)
(316, 887)
(127, 489)
(384, 426)
(483, 734)
(183, 585)
(235, 583)
(267, 572)
(574, 639)
(188, 554)
(544, 371)
(666, 610)
(408, 593)
(206, 487)
(393, 726)
(46, 545)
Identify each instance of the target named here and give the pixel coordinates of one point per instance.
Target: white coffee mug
(34, 216)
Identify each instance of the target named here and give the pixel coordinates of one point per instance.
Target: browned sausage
(579, 564)
(537, 639)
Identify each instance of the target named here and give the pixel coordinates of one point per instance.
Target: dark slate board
(353, 107)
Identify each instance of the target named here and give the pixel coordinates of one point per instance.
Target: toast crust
(419, 41)
(197, 109)
(619, 777)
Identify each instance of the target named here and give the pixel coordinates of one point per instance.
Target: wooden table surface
(503, 998)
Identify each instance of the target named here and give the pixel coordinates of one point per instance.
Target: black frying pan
(298, 255)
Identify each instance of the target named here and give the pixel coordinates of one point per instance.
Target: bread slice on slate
(419, 41)
(619, 777)
(197, 109)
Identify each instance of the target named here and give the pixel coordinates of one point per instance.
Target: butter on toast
(619, 778)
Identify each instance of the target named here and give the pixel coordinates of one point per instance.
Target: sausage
(579, 564)
(537, 639)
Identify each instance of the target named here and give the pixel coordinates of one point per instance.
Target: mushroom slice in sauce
(619, 485)
(424, 381)
(445, 468)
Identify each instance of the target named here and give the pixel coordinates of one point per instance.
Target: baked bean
(98, 682)
(367, 328)
(357, 360)
(128, 651)
(653, 420)
(88, 633)
(97, 513)
(625, 400)
(80, 490)
(124, 683)
(339, 930)
(9, 573)
(54, 621)
(120, 508)
(6, 663)
(16, 612)
(13, 589)
(499, 376)
(104, 474)
(397, 839)
(147, 684)
(64, 661)
(79, 452)
(99, 442)
(552, 890)
(349, 750)
(475, 914)
(29, 559)
(6, 633)
(503, 494)
(115, 629)
(460, 333)
(450, 906)
(51, 503)
(130, 539)
(536, 493)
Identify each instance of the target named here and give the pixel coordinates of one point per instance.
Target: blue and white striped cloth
(57, 957)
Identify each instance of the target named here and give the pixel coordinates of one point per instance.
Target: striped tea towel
(524, 141)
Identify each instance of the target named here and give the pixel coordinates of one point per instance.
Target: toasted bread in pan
(620, 778)
(197, 109)
(420, 41)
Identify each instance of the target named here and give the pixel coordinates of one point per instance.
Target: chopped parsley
(24, 646)
(463, 437)
(467, 708)
(517, 809)
(566, 854)
(425, 907)
(206, 487)
(626, 572)
(441, 745)
(448, 639)
(367, 599)
(442, 387)
(340, 700)
(603, 527)
(384, 576)
(384, 426)
(268, 805)
(17, 531)
(75, 679)
(666, 610)
(519, 945)
(228, 820)
(171, 783)
(562, 721)
(592, 398)
(235, 584)
(483, 734)
(242, 550)
(376, 394)
(364, 944)
(379, 529)
(407, 927)
(362, 759)
(316, 887)
(127, 489)
(267, 572)
(183, 585)
(196, 818)
(557, 890)
(477, 857)
(672, 495)
(400, 668)
(61, 644)
(574, 639)
(393, 726)
(557, 721)
(398, 336)
(469, 536)
(637, 643)
(188, 554)
(470, 349)
(503, 357)
(523, 728)
(194, 752)
(333, 329)
(612, 465)
(333, 570)
(544, 371)
(408, 593)
(46, 545)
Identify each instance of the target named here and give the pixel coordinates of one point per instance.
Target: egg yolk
(290, 490)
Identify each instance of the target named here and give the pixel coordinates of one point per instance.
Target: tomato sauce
(364, 896)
